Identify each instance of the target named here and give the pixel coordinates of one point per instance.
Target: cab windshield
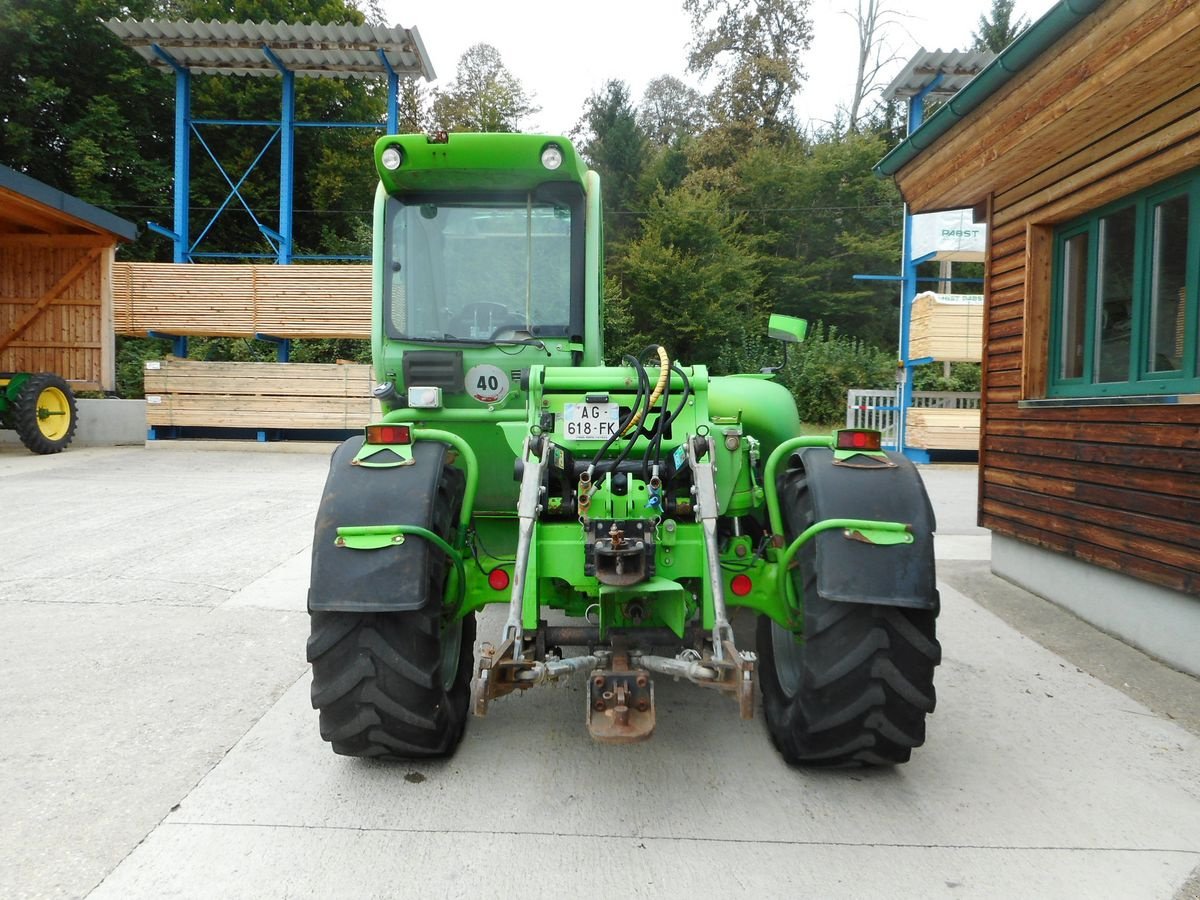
(478, 270)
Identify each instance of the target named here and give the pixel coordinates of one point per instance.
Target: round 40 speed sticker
(487, 384)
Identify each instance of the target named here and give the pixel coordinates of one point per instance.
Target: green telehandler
(623, 512)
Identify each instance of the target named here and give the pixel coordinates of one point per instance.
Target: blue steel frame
(908, 292)
(279, 239)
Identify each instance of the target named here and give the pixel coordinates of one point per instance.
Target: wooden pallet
(190, 393)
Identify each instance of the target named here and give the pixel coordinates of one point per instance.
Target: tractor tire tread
(865, 673)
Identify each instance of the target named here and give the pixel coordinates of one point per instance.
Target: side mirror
(788, 329)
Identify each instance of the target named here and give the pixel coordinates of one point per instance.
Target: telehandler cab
(624, 511)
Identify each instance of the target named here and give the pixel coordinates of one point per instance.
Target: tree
(86, 115)
(484, 95)
(615, 146)
(753, 47)
(690, 279)
(80, 112)
(872, 19)
(1000, 30)
(671, 112)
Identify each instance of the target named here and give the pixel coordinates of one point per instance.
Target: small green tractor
(624, 512)
(40, 407)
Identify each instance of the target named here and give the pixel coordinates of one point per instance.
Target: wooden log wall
(190, 393)
(1113, 485)
(53, 312)
(297, 301)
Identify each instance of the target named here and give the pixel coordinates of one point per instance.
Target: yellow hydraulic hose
(664, 372)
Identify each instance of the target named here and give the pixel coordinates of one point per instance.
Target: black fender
(394, 578)
(852, 571)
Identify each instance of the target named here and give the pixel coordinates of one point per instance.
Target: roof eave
(1013, 60)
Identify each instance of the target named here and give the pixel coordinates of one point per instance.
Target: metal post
(183, 134)
(393, 104)
(183, 168)
(287, 142)
(393, 120)
(286, 166)
(908, 292)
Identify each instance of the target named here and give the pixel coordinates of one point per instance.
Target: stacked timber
(295, 301)
(947, 328)
(943, 429)
(190, 393)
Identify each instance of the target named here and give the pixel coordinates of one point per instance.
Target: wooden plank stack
(948, 330)
(943, 429)
(190, 393)
(298, 301)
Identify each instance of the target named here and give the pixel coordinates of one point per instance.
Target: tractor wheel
(44, 413)
(855, 687)
(391, 684)
(395, 684)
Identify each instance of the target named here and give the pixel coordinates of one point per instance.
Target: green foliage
(671, 113)
(614, 144)
(86, 115)
(132, 354)
(827, 365)
(1000, 30)
(81, 113)
(963, 377)
(754, 49)
(484, 95)
(689, 276)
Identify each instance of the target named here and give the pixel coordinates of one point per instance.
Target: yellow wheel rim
(53, 414)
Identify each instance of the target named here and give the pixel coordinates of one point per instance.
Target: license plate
(590, 421)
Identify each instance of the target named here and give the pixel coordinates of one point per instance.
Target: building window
(1126, 309)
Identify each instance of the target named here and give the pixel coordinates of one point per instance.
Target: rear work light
(389, 434)
(859, 439)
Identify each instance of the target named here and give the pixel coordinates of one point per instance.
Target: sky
(561, 59)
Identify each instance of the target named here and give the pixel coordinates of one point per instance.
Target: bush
(963, 377)
(826, 366)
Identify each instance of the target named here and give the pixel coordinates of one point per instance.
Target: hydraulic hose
(664, 375)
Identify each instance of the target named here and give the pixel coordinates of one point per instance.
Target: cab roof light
(389, 434)
(859, 439)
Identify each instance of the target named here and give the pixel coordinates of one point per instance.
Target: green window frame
(1126, 299)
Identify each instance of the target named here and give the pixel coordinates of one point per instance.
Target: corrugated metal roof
(956, 67)
(311, 51)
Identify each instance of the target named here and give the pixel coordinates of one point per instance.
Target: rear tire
(855, 688)
(391, 684)
(396, 684)
(44, 414)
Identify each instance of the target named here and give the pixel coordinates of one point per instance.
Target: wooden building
(1080, 147)
(56, 262)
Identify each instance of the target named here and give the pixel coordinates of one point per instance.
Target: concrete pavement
(156, 691)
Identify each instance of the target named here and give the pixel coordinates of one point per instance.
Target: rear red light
(497, 579)
(389, 434)
(741, 585)
(856, 439)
